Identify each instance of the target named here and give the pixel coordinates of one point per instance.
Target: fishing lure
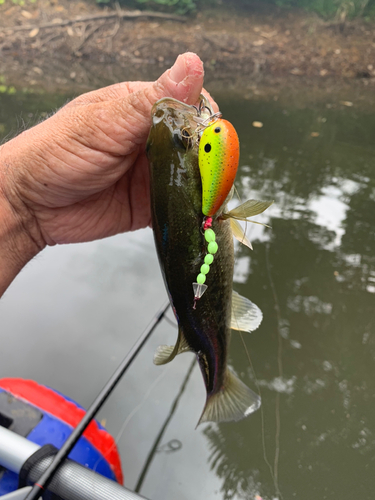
(218, 157)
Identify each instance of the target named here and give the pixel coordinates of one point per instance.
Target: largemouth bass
(190, 236)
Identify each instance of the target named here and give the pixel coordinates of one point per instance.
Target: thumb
(184, 81)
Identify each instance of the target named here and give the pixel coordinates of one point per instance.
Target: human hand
(83, 174)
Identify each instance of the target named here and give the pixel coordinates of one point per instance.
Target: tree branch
(98, 17)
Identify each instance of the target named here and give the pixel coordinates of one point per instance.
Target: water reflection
(313, 275)
(21, 110)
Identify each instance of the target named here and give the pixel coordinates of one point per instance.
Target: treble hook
(197, 110)
(202, 106)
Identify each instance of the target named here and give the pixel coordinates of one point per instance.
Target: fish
(193, 157)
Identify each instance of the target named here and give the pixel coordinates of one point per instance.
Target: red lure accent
(207, 223)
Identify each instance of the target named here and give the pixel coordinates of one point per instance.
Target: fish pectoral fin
(166, 353)
(232, 403)
(246, 316)
(248, 209)
(239, 233)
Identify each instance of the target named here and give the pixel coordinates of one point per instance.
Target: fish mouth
(183, 120)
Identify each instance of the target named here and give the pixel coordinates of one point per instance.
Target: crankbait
(218, 157)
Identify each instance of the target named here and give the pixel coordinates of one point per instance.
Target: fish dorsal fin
(166, 353)
(246, 316)
(249, 209)
(233, 402)
(239, 233)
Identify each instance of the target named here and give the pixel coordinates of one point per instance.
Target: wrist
(20, 238)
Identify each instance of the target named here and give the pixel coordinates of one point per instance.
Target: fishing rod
(69, 444)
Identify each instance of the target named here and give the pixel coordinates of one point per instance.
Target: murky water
(74, 312)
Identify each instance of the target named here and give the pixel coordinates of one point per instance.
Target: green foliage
(340, 9)
(180, 6)
(17, 2)
(7, 90)
(177, 6)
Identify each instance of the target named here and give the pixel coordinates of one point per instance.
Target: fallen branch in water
(120, 14)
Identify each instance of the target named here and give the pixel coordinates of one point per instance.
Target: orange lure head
(218, 156)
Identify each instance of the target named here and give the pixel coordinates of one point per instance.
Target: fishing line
(77, 432)
(170, 321)
(133, 412)
(139, 406)
(240, 200)
(237, 193)
(261, 411)
(155, 446)
(280, 367)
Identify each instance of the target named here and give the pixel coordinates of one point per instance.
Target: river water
(74, 312)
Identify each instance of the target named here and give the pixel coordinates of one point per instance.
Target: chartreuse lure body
(218, 156)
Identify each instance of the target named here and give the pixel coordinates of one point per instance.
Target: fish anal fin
(239, 233)
(234, 402)
(166, 353)
(246, 316)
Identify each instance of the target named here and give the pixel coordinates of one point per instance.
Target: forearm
(18, 242)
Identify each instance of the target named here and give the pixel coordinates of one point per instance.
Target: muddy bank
(270, 53)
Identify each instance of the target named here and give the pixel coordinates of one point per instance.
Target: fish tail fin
(234, 402)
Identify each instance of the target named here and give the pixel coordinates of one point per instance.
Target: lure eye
(217, 130)
(207, 148)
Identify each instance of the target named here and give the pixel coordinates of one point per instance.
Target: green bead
(209, 259)
(212, 247)
(205, 268)
(209, 235)
(201, 278)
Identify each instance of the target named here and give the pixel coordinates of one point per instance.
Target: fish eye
(186, 138)
(178, 142)
(207, 148)
(217, 130)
